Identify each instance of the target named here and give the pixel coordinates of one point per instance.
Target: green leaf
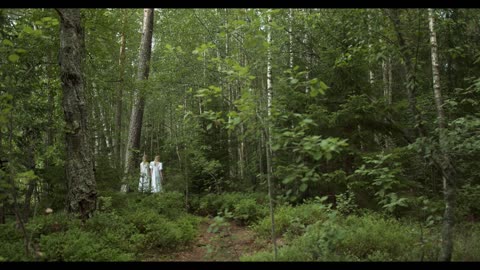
(27, 29)
(323, 86)
(209, 126)
(317, 155)
(275, 147)
(13, 57)
(20, 51)
(303, 187)
(7, 42)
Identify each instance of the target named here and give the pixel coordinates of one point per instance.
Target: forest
(263, 134)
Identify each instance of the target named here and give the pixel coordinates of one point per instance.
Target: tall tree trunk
(119, 107)
(3, 202)
(448, 172)
(387, 92)
(30, 136)
(82, 193)
(2, 211)
(409, 71)
(268, 148)
(230, 133)
(307, 52)
(290, 38)
(136, 118)
(50, 128)
(371, 76)
(100, 124)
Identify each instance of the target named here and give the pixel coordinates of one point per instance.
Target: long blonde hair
(157, 158)
(145, 160)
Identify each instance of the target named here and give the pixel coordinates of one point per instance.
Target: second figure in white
(156, 170)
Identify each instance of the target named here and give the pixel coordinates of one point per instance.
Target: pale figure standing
(156, 168)
(144, 184)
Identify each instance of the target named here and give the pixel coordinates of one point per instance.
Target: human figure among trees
(156, 172)
(144, 182)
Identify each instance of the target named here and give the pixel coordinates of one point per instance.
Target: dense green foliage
(367, 237)
(118, 232)
(352, 124)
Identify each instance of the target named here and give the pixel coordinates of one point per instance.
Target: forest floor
(228, 245)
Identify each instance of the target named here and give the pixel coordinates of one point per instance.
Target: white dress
(156, 176)
(144, 183)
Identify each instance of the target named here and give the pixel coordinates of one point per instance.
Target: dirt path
(237, 241)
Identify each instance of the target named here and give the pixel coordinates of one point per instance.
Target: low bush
(168, 204)
(291, 221)
(246, 208)
(12, 247)
(78, 245)
(370, 237)
(248, 211)
(46, 224)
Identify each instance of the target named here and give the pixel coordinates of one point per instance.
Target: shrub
(115, 230)
(291, 221)
(247, 211)
(467, 243)
(188, 225)
(316, 244)
(246, 208)
(78, 245)
(104, 203)
(193, 203)
(169, 204)
(210, 204)
(56, 222)
(169, 235)
(370, 237)
(12, 249)
(8, 233)
(160, 232)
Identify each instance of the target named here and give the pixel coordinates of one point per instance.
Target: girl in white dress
(144, 184)
(156, 168)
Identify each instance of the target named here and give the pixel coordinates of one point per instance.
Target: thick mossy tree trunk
(135, 129)
(82, 193)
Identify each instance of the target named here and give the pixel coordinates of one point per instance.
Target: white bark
(290, 37)
(448, 171)
(307, 53)
(269, 139)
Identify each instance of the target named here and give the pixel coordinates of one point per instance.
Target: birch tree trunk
(290, 37)
(268, 131)
(119, 106)
(135, 129)
(82, 193)
(448, 172)
(371, 77)
(307, 53)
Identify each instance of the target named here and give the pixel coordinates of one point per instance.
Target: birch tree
(448, 172)
(136, 117)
